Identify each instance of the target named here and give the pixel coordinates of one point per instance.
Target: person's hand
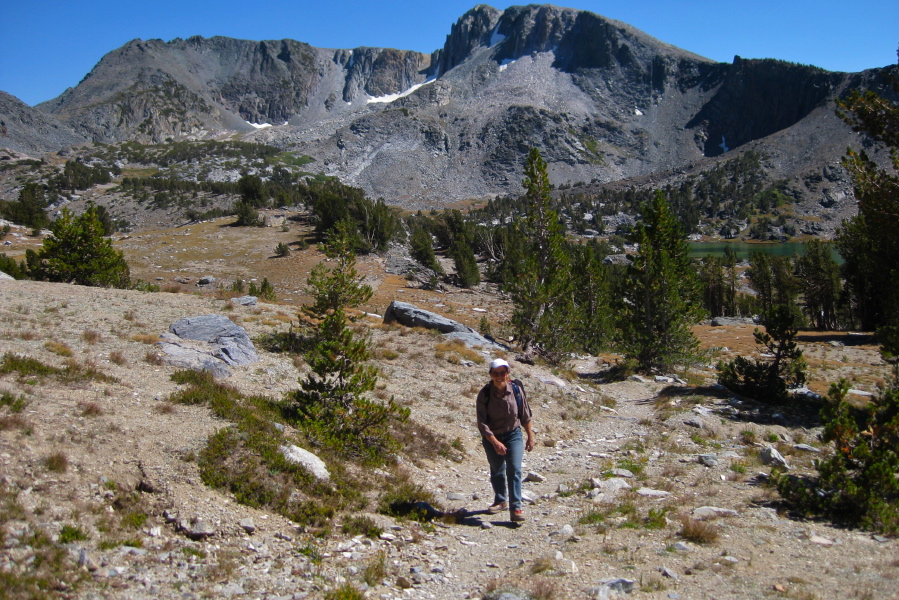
(499, 447)
(530, 443)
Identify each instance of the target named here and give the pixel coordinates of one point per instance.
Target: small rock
(455, 496)
(771, 457)
(307, 460)
(532, 476)
(666, 572)
(566, 566)
(206, 280)
(697, 423)
(681, 547)
(232, 589)
(821, 541)
(85, 560)
(247, 525)
(612, 485)
(563, 489)
(403, 583)
(806, 448)
(245, 300)
(703, 513)
(387, 537)
(486, 525)
(529, 496)
(651, 493)
(730, 559)
(618, 584)
(880, 539)
(622, 473)
(708, 460)
(549, 443)
(566, 531)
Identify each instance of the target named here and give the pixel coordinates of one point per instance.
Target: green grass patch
(70, 533)
(408, 500)
(15, 404)
(34, 370)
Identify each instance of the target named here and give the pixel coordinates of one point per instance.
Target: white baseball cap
(497, 363)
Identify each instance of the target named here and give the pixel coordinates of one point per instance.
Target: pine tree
(466, 264)
(820, 277)
(541, 289)
(331, 403)
(868, 242)
(78, 253)
(660, 303)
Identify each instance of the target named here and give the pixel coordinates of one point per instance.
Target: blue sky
(49, 45)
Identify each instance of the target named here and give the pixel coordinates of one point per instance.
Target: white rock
(651, 493)
(307, 460)
(771, 457)
(704, 513)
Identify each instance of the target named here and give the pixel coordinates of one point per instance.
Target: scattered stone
(880, 539)
(566, 531)
(387, 537)
(307, 460)
(821, 541)
(704, 513)
(206, 280)
(708, 460)
(771, 457)
(622, 473)
(681, 547)
(235, 346)
(549, 443)
(651, 493)
(529, 497)
(85, 560)
(638, 379)
(247, 525)
(664, 379)
(612, 485)
(456, 496)
(806, 448)
(697, 423)
(232, 589)
(730, 559)
(616, 584)
(245, 300)
(200, 529)
(486, 525)
(403, 583)
(666, 572)
(566, 566)
(563, 489)
(532, 476)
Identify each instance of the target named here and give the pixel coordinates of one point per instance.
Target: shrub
(78, 253)
(698, 532)
(57, 462)
(70, 534)
(859, 483)
(361, 525)
(408, 500)
(768, 380)
(282, 249)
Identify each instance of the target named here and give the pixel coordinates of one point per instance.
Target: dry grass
(90, 409)
(27, 335)
(153, 358)
(60, 348)
(57, 462)
(698, 532)
(164, 408)
(116, 357)
(91, 336)
(146, 338)
(455, 351)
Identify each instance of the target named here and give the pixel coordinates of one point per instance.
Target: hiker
(503, 410)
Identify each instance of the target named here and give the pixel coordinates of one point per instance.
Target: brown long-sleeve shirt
(498, 411)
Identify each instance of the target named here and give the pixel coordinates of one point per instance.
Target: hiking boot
(500, 507)
(518, 516)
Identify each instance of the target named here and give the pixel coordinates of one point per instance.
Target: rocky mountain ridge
(603, 101)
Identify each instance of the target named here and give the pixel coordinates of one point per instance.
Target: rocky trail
(618, 471)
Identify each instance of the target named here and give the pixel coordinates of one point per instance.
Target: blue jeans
(506, 467)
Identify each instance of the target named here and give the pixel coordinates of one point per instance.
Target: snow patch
(638, 112)
(496, 37)
(259, 125)
(505, 63)
(723, 145)
(391, 97)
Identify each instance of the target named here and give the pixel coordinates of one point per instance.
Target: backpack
(516, 384)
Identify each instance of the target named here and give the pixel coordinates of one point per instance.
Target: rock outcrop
(207, 343)
(412, 316)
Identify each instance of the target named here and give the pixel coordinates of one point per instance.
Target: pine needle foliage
(331, 404)
(768, 380)
(78, 253)
(541, 289)
(868, 242)
(661, 295)
(859, 483)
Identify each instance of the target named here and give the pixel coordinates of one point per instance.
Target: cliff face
(603, 102)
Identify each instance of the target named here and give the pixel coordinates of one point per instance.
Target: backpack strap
(515, 383)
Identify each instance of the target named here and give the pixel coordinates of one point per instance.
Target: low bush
(859, 483)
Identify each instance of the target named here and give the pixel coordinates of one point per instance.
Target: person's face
(499, 376)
